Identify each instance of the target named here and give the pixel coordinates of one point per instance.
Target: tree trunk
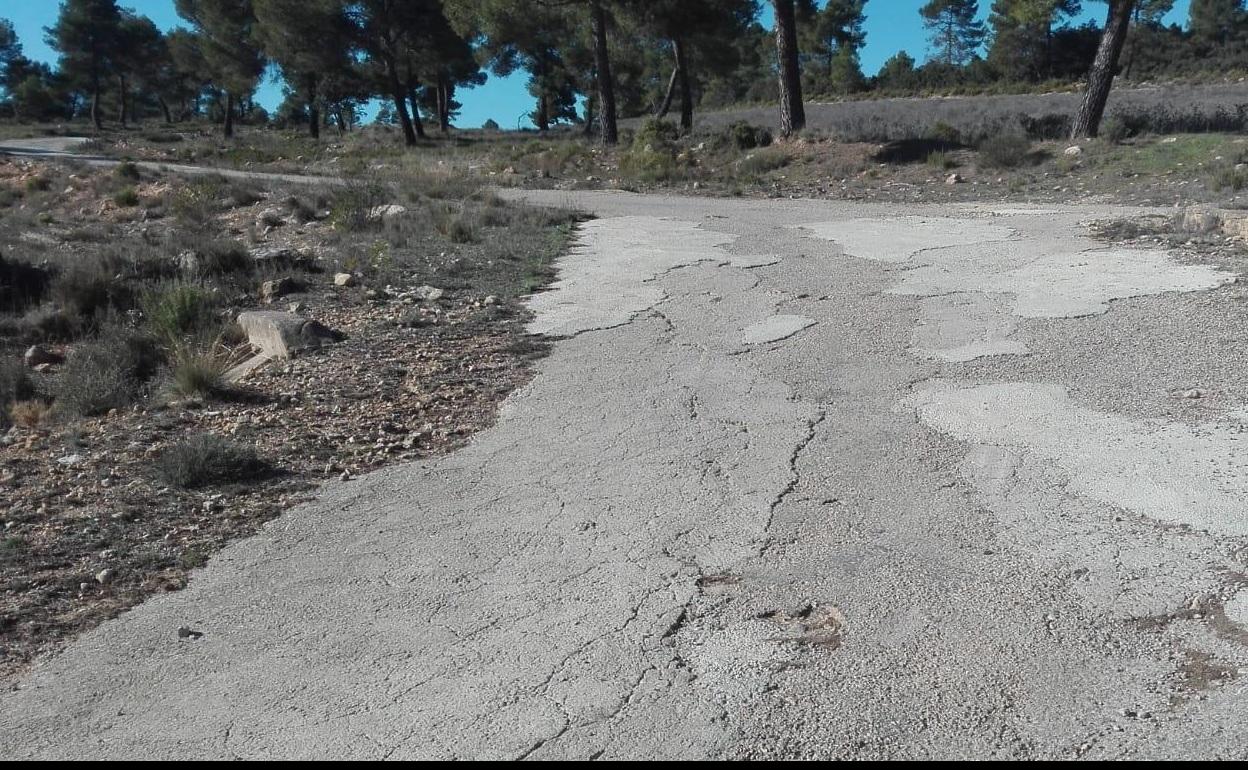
(400, 103)
(1101, 77)
(663, 109)
(229, 114)
(792, 111)
(121, 99)
(414, 97)
(606, 85)
(314, 111)
(444, 103)
(164, 107)
(588, 129)
(686, 87)
(95, 102)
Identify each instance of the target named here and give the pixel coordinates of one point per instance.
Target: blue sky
(892, 25)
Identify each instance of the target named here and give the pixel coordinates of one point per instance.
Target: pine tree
(87, 35)
(1022, 36)
(226, 42)
(308, 40)
(1216, 23)
(832, 38)
(956, 33)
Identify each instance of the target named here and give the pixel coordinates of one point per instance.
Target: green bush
(128, 171)
(1004, 151)
(747, 137)
(175, 311)
(127, 197)
(106, 373)
(207, 459)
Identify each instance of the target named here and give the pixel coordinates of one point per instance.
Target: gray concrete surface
(847, 538)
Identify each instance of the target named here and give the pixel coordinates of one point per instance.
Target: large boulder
(275, 334)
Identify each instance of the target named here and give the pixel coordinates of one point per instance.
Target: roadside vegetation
(129, 452)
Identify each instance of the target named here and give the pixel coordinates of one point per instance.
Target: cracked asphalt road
(801, 480)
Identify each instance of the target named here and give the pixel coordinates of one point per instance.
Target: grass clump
(1005, 150)
(198, 373)
(941, 161)
(207, 459)
(175, 311)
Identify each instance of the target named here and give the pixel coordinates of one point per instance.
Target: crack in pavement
(595, 575)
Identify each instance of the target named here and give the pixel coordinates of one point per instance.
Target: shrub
(1115, 130)
(941, 160)
(761, 162)
(38, 184)
(127, 171)
(1004, 150)
(86, 288)
(21, 284)
(106, 373)
(15, 385)
(747, 137)
(352, 204)
(224, 257)
(207, 459)
(175, 311)
(127, 197)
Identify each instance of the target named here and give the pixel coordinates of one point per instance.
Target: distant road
(65, 148)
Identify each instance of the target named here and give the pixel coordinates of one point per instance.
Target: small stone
(271, 290)
(104, 576)
(344, 279)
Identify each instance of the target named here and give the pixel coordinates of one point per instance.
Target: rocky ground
(88, 526)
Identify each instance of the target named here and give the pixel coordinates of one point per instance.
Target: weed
(174, 311)
(29, 414)
(1004, 151)
(207, 459)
